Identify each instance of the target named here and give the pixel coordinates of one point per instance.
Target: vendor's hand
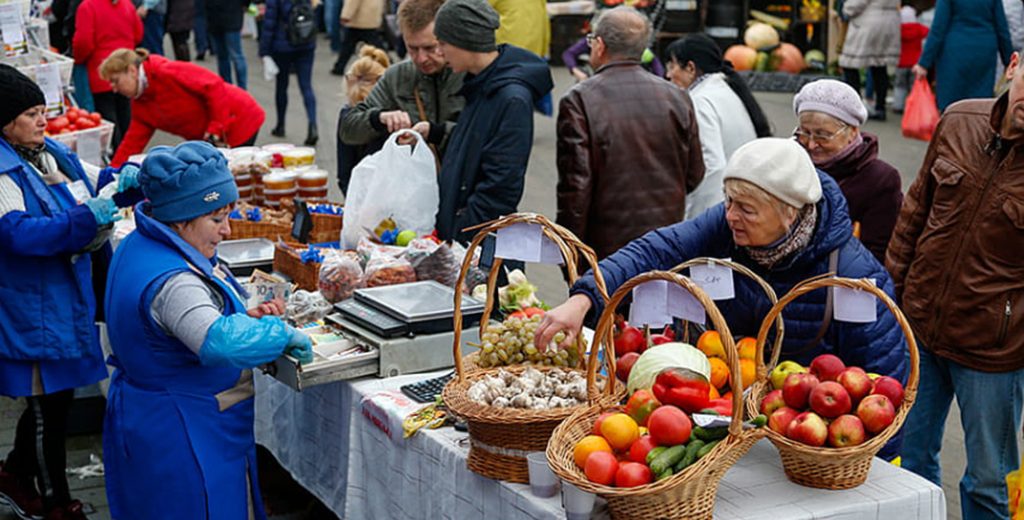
(105, 211)
(299, 347)
(579, 74)
(567, 317)
(128, 177)
(273, 307)
(142, 11)
(423, 128)
(395, 120)
(919, 71)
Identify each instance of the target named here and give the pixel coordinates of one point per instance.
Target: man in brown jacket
(628, 149)
(957, 258)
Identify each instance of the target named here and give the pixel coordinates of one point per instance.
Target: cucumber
(668, 458)
(654, 453)
(691, 455)
(710, 434)
(663, 475)
(759, 421)
(704, 450)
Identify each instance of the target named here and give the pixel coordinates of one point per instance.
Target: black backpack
(301, 28)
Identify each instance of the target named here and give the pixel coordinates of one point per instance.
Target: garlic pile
(531, 390)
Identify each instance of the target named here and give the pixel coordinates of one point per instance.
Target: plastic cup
(578, 503)
(543, 482)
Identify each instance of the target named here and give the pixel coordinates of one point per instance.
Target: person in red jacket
(101, 27)
(179, 98)
(912, 35)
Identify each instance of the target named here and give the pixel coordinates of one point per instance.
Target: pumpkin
(788, 58)
(741, 57)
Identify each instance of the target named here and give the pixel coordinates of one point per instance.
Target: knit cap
(831, 97)
(19, 93)
(778, 166)
(187, 181)
(467, 24)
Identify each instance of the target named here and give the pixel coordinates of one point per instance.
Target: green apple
(405, 237)
(783, 370)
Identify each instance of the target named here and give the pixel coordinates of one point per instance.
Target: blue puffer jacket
(274, 39)
(877, 347)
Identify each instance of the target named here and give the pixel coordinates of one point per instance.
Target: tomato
(533, 311)
(601, 467)
(638, 451)
(519, 315)
(669, 426)
(96, 117)
(620, 430)
(600, 420)
(84, 123)
(72, 114)
(72, 127)
(640, 406)
(632, 474)
(55, 125)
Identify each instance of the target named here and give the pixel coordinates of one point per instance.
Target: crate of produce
(504, 428)
(70, 138)
(871, 411)
(29, 63)
(674, 471)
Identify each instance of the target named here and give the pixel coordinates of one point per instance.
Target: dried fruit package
(386, 270)
(340, 275)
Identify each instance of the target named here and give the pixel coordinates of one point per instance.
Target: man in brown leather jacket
(957, 257)
(628, 149)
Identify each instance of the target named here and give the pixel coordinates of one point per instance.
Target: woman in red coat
(101, 27)
(179, 98)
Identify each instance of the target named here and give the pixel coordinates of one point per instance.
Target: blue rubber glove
(299, 346)
(105, 211)
(244, 342)
(128, 177)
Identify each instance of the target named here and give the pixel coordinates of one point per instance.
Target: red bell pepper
(722, 406)
(683, 388)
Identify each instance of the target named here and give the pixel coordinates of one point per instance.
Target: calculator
(426, 391)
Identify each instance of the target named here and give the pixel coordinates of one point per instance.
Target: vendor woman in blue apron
(50, 222)
(178, 440)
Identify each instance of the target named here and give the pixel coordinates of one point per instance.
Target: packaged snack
(433, 261)
(387, 270)
(340, 275)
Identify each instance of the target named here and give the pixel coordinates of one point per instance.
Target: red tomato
(84, 123)
(518, 314)
(96, 117)
(669, 426)
(601, 467)
(72, 115)
(55, 125)
(533, 311)
(638, 451)
(72, 127)
(632, 474)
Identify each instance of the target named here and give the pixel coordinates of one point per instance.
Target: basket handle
(606, 323)
(850, 283)
(570, 247)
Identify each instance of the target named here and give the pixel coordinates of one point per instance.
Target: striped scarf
(796, 240)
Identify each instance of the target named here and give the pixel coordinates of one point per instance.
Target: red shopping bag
(921, 114)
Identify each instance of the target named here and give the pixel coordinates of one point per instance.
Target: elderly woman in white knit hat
(784, 220)
(830, 115)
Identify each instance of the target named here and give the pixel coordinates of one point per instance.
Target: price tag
(684, 305)
(88, 147)
(48, 79)
(11, 24)
(650, 304)
(853, 305)
(526, 242)
(716, 280)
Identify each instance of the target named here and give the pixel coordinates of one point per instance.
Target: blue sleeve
(937, 34)
(270, 23)
(661, 249)
(242, 341)
(64, 233)
(1002, 33)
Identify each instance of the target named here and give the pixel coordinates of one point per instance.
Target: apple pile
(830, 404)
(74, 119)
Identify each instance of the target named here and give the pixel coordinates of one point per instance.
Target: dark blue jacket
(274, 38)
(484, 166)
(877, 347)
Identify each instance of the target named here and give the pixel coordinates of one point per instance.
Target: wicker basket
(502, 437)
(830, 468)
(688, 494)
(288, 262)
(247, 229)
(326, 228)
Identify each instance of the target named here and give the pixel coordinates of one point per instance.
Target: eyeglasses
(591, 38)
(817, 137)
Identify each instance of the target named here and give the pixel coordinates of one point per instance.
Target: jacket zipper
(1006, 323)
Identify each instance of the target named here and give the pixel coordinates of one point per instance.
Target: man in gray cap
(483, 170)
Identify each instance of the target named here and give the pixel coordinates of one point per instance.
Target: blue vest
(170, 451)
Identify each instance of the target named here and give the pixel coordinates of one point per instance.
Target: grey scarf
(796, 240)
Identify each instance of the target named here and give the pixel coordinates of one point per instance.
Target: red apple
(797, 388)
(808, 428)
(846, 430)
(779, 419)
(771, 402)
(631, 339)
(890, 388)
(827, 367)
(624, 365)
(856, 382)
(876, 412)
(829, 399)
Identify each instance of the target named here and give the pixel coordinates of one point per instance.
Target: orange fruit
(747, 348)
(713, 392)
(719, 372)
(710, 343)
(748, 371)
(621, 431)
(588, 445)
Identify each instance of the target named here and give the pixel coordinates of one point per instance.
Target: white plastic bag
(392, 183)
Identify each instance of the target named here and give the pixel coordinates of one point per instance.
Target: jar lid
(314, 174)
(277, 175)
(277, 147)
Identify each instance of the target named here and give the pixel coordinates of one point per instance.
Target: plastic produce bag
(340, 276)
(305, 307)
(433, 261)
(385, 270)
(392, 183)
(921, 114)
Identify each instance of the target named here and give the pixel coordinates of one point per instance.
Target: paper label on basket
(526, 242)
(853, 305)
(88, 146)
(11, 24)
(716, 280)
(650, 305)
(684, 305)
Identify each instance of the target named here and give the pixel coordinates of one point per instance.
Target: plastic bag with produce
(433, 261)
(386, 270)
(340, 275)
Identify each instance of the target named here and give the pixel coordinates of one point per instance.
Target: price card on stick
(715, 279)
(854, 305)
(48, 79)
(650, 304)
(526, 242)
(13, 28)
(88, 147)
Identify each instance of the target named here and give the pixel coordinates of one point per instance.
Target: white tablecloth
(321, 438)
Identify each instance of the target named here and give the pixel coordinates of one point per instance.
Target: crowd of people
(653, 169)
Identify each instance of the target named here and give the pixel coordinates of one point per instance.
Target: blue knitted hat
(187, 181)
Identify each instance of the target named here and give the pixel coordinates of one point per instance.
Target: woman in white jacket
(728, 116)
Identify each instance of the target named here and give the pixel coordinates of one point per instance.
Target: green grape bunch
(511, 343)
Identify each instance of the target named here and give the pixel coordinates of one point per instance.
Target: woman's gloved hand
(128, 177)
(105, 211)
(299, 346)
(242, 341)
